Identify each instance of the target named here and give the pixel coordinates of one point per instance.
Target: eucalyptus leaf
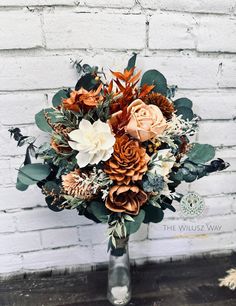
(20, 186)
(32, 173)
(133, 227)
(57, 98)
(183, 102)
(41, 121)
(131, 62)
(186, 112)
(201, 153)
(154, 77)
(99, 210)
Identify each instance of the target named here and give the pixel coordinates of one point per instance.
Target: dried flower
(127, 199)
(162, 102)
(83, 99)
(93, 141)
(78, 184)
(128, 162)
(146, 121)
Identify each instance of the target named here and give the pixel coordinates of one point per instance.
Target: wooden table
(181, 283)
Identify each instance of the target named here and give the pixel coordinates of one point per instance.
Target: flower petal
(83, 159)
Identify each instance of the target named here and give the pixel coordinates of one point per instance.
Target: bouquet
(118, 149)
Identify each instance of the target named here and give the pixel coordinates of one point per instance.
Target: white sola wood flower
(93, 141)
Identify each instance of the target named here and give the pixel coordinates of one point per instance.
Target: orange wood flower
(162, 102)
(127, 199)
(128, 162)
(83, 99)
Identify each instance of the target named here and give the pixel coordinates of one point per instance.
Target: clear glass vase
(119, 283)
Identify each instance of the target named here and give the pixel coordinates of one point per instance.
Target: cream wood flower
(163, 162)
(93, 141)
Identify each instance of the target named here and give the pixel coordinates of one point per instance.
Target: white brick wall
(191, 42)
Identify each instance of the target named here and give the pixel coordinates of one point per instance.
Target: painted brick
(17, 73)
(14, 105)
(7, 223)
(184, 71)
(110, 3)
(212, 104)
(36, 2)
(212, 31)
(27, 33)
(220, 206)
(199, 6)
(189, 228)
(11, 198)
(159, 248)
(228, 73)
(218, 133)
(229, 155)
(37, 219)
(179, 34)
(215, 184)
(87, 237)
(59, 237)
(58, 258)
(80, 33)
(18, 243)
(212, 243)
(10, 264)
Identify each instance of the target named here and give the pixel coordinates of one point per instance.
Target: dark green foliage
(99, 210)
(201, 153)
(20, 186)
(152, 214)
(183, 102)
(32, 173)
(41, 120)
(133, 226)
(57, 98)
(187, 113)
(131, 62)
(154, 77)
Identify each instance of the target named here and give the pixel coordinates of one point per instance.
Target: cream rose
(146, 121)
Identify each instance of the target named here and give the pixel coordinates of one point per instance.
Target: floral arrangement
(117, 149)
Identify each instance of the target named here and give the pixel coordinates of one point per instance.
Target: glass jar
(119, 283)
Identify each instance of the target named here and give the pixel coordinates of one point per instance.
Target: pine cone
(127, 199)
(162, 102)
(76, 185)
(128, 162)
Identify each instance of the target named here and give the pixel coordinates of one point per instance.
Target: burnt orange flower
(83, 99)
(59, 147)
(75, 184)
(162, 102)
(127, 199)
(128, 162)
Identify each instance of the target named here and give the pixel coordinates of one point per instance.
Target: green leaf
(41, 121)
(20, 186)
(57, 98)
(183, 102)
(32, 173)
(52, 186)
(154, 77)
(186, 112)
(133, 227)
(131, 62)
(153, 214)
(201, 153)
(99, 210)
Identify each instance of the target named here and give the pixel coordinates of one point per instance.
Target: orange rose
(146, 121)
(127, 199)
